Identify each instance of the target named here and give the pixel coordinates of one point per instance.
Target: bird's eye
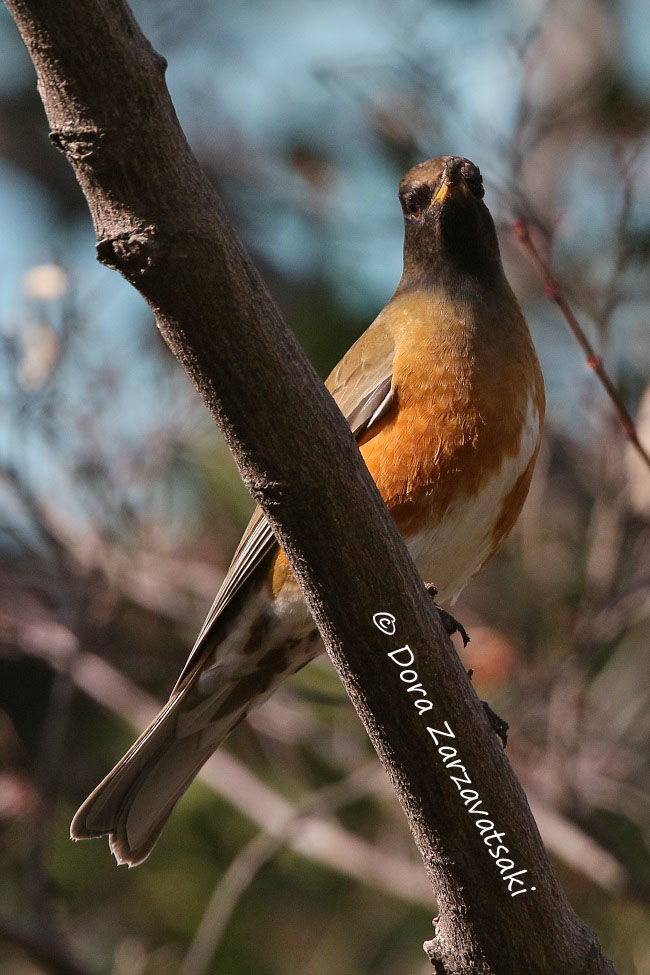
(415, 201)
(412, 206)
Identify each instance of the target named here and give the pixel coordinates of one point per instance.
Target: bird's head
(449, 235)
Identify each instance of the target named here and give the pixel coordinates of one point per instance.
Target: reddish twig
(554, 293)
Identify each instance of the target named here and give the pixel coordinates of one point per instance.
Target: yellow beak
(442, 192)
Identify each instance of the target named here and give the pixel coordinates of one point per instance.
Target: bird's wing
(361, 385)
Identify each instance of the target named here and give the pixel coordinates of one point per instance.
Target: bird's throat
(456, 251)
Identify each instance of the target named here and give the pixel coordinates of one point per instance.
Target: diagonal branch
(554, 292)
(159, 222)
(255, 855)
(317, 838)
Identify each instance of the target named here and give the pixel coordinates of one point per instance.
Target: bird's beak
(449, 187)
(442, 192)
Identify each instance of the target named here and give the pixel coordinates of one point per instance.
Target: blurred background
(120, 505)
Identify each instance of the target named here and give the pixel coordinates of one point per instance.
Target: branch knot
(78, 145)
(133, 252)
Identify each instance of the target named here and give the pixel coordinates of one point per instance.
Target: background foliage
(120, 505)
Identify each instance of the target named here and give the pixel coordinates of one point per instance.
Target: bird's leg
(451, 625)
(498, 725)
(449, 622)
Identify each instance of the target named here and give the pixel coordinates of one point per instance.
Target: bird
(445, 397)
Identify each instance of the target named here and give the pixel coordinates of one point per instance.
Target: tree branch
(158, 221)
(553, 291)
(255, 855)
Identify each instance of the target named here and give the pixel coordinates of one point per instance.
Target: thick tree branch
(159, 222)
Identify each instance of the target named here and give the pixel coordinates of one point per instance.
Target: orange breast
(464, 380)
(464, 388)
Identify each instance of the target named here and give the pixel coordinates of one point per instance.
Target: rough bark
(159, 222)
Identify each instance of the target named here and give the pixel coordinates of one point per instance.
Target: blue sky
(270, 74)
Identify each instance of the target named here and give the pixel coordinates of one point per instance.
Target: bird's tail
(134, 801)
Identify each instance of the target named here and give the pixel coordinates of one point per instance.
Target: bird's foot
(451, 625)
(498, 725)
(449, 622)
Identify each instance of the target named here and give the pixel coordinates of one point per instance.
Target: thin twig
(256, 854)
(47, 777)
(553, 292)
(319, 839)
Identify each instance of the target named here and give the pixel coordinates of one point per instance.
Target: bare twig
(317, 839)
(257, 854)
(47, 777)
(577, 849)
(554, 292)
(304, 826)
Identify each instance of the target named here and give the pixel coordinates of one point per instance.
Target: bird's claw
(451, 625)
(498, 725)
(449, 622)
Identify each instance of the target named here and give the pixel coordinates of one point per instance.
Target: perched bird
(445, 396)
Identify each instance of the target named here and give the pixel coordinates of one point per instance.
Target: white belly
(450, 553)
